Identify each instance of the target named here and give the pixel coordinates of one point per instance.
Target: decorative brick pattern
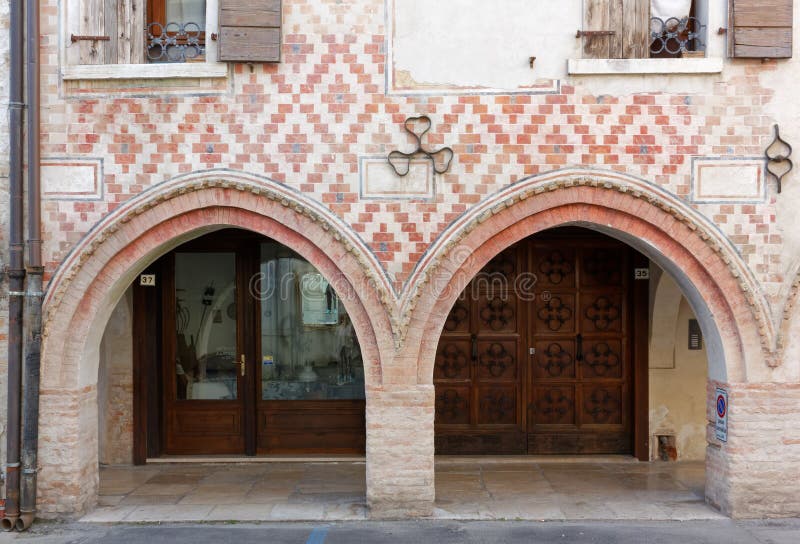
(275, 148)
(305, 121)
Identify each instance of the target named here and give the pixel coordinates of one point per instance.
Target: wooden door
(536, 355)
(207, 365)
(231, 296)
(478, 375)
(579, 390)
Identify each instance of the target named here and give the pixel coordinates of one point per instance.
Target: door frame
(287, 418)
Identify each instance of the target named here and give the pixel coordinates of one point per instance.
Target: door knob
(241, 364)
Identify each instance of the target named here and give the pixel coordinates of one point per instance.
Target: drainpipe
(35, 272)
(16, 270)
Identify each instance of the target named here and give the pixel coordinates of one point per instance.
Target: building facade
(402, 228)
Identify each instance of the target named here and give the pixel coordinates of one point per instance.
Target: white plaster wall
(469, 44)
(115, 387)
(678, 376)
(784, 108)
(474, 44)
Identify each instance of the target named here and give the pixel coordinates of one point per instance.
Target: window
(137, 31)
(123, 32)
(176, 30)
(620, 29)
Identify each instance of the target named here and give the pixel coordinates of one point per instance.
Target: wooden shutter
(250, 30)
(630, 21)
(760, 29)
(121, 20)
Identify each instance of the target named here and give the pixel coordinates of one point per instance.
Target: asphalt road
(436, 532)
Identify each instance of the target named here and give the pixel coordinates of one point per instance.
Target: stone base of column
(68, 479)
(400, 466)
(753, 474)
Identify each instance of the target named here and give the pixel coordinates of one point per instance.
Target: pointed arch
(85, 289)
(724, 295)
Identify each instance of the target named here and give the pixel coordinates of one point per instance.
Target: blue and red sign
(721, 427)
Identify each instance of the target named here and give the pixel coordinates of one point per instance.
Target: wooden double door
(540, 355)
(243, 348)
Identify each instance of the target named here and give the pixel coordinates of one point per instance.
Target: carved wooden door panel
(579, 387)
(478, 375)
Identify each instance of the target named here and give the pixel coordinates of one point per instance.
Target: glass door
(259, 355)
(205, 368)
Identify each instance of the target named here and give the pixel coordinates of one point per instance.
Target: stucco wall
(678, 375)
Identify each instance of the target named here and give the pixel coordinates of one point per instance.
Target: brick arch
(740, 335)
(789, 341)
(85, 289)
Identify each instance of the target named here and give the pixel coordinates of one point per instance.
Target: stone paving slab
(506, 488)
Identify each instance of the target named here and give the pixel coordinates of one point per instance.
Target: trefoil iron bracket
(418, 127)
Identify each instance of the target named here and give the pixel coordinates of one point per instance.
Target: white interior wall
(678, 376)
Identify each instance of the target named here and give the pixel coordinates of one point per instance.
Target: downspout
(35, 272)
(16, 270)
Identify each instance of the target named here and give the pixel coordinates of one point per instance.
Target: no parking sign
(721, 427)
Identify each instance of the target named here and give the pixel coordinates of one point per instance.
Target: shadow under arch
(87, 286)
(726, 299)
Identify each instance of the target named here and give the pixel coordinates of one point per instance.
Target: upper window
(615, 29)
(172, 31)
(176, 30)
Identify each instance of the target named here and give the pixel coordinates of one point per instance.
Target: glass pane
(186, 11)
(205, 321)
(309, 349)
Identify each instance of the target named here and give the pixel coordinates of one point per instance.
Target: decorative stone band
(634, 187)
(218, 178)
(791, 301)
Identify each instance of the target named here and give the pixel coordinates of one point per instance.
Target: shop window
(630, 29)
(309, 349)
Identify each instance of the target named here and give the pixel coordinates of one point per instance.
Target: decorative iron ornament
(778, 153)
(675, 35)
(418, 127)
(174, 42)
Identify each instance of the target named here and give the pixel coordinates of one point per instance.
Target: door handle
(474, 339)
(241, 364)
(579, 354)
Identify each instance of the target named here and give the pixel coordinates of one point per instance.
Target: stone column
(752, 475)
(400, 468)
(68, 479)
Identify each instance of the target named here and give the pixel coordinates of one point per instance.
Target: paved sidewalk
(438, 532)
(480, 488)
